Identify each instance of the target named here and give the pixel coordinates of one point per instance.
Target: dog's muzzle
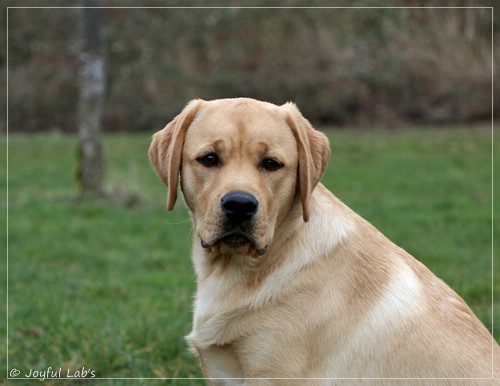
(239, 209)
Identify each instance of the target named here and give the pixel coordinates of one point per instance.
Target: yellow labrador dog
(292, 284)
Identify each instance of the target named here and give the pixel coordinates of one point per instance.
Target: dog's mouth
(236, 242)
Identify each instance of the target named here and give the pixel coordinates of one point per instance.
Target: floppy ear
(314, 151)
(165, 151)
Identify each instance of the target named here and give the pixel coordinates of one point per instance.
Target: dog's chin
(235, 244)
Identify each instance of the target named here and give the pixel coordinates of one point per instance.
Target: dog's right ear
(165, 151)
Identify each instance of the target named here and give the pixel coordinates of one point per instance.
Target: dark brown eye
(209, 160)
(271, 165)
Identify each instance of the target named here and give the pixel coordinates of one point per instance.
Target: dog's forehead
(241, 119)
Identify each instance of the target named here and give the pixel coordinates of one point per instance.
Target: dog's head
(243, 165)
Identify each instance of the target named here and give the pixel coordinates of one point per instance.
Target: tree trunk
(92, 87)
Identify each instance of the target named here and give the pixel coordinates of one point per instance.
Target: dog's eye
(271, 164)
(210, 159)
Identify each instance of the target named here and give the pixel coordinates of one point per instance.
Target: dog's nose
(239, 206)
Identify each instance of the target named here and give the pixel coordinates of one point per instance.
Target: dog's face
(243, 165)
(239, 173)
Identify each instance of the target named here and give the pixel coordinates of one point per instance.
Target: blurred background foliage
(342, 66)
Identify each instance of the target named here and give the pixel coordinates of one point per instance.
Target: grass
(107, 285)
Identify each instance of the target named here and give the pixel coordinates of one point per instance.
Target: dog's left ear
(165, 151)
(314, 152)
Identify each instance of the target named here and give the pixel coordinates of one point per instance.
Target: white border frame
(9, 370)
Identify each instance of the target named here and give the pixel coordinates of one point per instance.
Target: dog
(293, 287)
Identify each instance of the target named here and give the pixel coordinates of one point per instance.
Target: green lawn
(107, 285)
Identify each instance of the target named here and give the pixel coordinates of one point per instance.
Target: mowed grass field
(107, 285)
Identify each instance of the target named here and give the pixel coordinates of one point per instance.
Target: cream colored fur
(332, 300)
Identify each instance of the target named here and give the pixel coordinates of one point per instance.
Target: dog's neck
(232, 283)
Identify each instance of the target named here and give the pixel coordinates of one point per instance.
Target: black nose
(239, 206)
